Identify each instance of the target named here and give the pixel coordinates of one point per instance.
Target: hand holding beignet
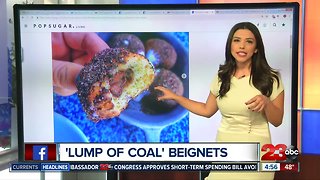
(70, 52)
(111, 80)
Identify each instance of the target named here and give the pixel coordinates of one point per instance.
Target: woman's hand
(203, 109)
(167, 94)
(258, 103)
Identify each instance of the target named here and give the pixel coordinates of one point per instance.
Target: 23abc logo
(279, 152)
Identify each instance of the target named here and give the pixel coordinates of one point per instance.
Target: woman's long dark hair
(262, 75)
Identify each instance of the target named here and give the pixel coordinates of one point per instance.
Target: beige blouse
(236, 117)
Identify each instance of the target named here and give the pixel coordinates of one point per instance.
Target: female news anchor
(248, 93)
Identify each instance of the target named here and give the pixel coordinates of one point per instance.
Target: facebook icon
(40, 153)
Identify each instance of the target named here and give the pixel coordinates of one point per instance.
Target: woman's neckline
(241, 77)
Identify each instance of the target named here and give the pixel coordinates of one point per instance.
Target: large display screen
(63, 93)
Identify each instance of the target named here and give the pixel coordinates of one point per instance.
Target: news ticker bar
(50, 167)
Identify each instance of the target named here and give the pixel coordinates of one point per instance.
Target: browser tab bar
(203, 12)
(130, 12)
(153, 12)
(174, 12)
